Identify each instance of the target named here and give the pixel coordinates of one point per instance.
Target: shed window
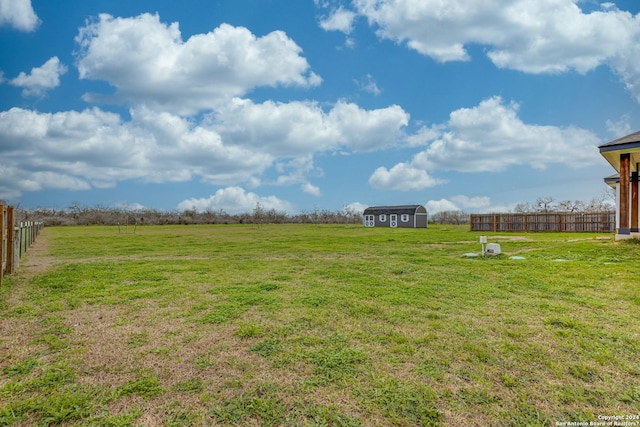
(404, 218)
(383, 218)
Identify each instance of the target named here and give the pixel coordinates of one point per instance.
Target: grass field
(318, 325)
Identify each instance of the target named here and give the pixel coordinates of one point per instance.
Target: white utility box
(493, 249)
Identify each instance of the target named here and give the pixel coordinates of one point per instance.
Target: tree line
(76, 214)
(100, 215)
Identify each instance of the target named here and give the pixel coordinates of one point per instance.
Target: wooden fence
(597, 222)
(15, 240)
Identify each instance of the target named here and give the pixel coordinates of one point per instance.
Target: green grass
(319, 325)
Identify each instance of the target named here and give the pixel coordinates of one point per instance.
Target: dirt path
(37, 259)
(33, 262)
(17, 333)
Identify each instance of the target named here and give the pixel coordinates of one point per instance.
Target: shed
(405, 216)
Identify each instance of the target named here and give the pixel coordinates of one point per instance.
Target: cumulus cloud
(235, 200)
(18, 14)
(93, 148)
(442, 205)
(41, 78)
(541, 36)
(166, 80)
(368, 130)
(544, 36)
(402, 177)
(489, 138)
(233, 146)
(309, 188)
(340, 19)
(369, 84)
(302, 128)
(619, 128)
(355, 207)
(478, 204)
(147, 62)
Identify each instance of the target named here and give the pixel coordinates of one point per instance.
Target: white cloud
(472, 203)
(18, 14)
(423, 136)
(627, 66)
(284, 129)
(148, 62)
(16, 180)
(402, 177)
(368, 84)
(131, 207)
(41, 78)
(340, 19)
(442, 205)
(478, 204)
(488, 138)
(234, 146)
(93, 148)
(235, 200)
(491, 137)
(356, 207)
(309, 188)
(184, 149)
(368, 130)
(296, 171)
(302, 128)
(619, 128)
(543, 36)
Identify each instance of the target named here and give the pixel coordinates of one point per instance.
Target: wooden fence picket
(14, 241)
(564, 222)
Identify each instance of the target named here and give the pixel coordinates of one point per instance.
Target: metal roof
(614, 180)
(401, 209)
(633, 138)
(627, 144)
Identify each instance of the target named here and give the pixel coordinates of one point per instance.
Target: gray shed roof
(402, 209)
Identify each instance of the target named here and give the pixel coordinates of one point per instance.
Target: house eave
(627, 144)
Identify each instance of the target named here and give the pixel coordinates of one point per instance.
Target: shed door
(369, 220)
(393, 220)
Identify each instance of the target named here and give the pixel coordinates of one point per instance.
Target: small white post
(483, 241)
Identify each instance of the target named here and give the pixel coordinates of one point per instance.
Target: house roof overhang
(612, 180)
(627, 144)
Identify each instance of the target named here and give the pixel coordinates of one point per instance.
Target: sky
(301, 105)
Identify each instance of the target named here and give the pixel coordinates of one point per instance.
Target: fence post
(2, 242)
(21, 238)
(17, 247)
(10, 236)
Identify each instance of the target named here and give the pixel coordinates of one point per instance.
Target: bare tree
(524, 208)
(450, 217)
(258, 214)
(544, 204)
(570, 206)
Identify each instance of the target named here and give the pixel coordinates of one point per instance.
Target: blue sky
(313, 104)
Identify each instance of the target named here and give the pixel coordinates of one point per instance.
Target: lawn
(319, 325)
